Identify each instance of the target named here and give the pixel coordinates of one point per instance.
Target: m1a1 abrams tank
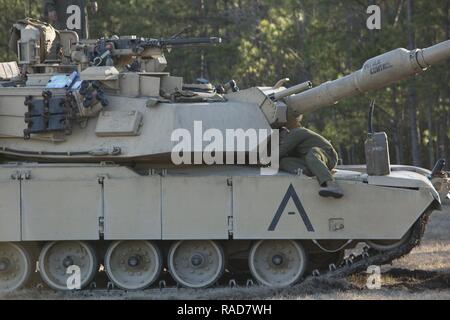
(85, 131)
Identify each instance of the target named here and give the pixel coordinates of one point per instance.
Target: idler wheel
(388, 245)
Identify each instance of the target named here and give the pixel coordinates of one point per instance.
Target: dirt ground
(424, 274)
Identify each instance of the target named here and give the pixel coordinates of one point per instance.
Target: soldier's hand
(52, 16)
(284, 132)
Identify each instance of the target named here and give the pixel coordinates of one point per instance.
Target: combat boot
(331, 190)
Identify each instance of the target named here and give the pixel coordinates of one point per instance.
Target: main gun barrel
(376, 73)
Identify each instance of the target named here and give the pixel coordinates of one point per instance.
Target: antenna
(176, 35)
(371, 112)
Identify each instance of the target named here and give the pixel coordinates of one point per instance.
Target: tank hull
(233, 203)
(232, 210)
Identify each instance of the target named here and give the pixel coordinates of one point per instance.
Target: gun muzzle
(437, 53)
(376, 73)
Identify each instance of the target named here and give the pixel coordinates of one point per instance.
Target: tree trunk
(445, 92)
(341, 152)
(431, 158)
(396, 130)
(412, 94)
(443, 121)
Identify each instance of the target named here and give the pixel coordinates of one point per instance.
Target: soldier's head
(294, 122)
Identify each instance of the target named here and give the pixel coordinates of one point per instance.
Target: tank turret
(72, 91)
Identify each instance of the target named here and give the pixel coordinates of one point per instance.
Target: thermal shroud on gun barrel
(376, 73)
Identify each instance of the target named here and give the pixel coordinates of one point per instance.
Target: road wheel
(277, 263)
(60, 260)
(196, 264)
(15, 267)
(133, 265)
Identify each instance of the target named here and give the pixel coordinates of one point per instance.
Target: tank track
(351, 265)
(359, 263)
(370, 257)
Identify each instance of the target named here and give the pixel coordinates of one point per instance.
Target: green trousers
(305, 150)
(316, 163)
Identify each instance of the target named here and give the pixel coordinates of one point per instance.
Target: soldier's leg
(293, 165)
(317, 162)
(333, 159)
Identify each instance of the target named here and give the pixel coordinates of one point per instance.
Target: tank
(89, 180)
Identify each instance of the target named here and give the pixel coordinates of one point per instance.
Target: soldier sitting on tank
(305, 150)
